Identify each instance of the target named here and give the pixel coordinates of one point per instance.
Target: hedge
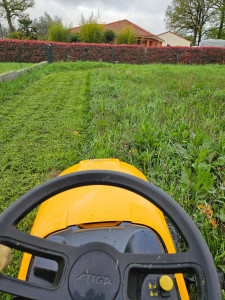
(36, 51)
(23, 51)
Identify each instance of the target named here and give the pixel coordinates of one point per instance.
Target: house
(143, 36)
(173, 39)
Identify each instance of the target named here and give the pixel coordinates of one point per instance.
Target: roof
(76, 29)
(174, 34)
(118, 26)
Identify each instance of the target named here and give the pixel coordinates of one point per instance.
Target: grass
(168, 121)
(11, 66)
(41, 120)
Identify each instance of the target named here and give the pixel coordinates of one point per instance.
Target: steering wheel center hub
(95, 275)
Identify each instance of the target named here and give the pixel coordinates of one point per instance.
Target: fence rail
(37, 51)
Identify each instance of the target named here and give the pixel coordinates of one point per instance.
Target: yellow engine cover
(88, 206)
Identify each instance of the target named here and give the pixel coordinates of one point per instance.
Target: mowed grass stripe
(41, 129)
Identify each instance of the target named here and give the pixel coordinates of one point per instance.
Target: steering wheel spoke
(176, 259)
(26, 289)
(64, 255)
(28, 243)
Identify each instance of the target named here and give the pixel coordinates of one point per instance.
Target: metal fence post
(207, 57)
(147, 54)
(50, 53)
(113, 60)
(139, 54)
(83, 53)
(177, 55)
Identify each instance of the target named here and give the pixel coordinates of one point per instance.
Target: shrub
(91, 31)
(109, 36)
(127, 36)
(16, 35)
(57, 33)
(74, 37)
(25, 31)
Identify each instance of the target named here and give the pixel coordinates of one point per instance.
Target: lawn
(11, 66)
(168, 121)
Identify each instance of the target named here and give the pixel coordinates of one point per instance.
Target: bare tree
(43, 24)
(10, 9)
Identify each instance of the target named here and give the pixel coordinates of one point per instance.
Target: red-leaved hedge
(23, 51)
(36, 51)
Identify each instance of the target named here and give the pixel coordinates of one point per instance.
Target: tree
(43, 24)
(26, 31)
(190, 17)
(218, 21)
(10, 9)
(91, 31)
(214, 33)
(221, 30)
(109, 36)
(26, 28)
(126, 36)
(57, 33)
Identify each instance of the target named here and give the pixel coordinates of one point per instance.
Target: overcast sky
(148, 14)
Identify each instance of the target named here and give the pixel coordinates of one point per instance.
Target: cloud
(147, 14)
(150, 6)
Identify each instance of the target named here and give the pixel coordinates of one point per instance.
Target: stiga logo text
(95, 279)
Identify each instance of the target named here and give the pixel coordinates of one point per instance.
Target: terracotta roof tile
(118, 26)
(75, 29)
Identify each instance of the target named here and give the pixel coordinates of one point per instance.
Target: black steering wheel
(197, 259)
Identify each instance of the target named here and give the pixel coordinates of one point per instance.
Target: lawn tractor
(103, 232)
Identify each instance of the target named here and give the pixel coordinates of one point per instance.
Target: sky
(148, 14)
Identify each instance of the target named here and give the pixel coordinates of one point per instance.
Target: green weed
(169, 122)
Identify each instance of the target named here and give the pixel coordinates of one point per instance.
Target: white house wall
(173, 40)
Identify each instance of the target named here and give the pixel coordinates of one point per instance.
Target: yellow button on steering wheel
(166, 283)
